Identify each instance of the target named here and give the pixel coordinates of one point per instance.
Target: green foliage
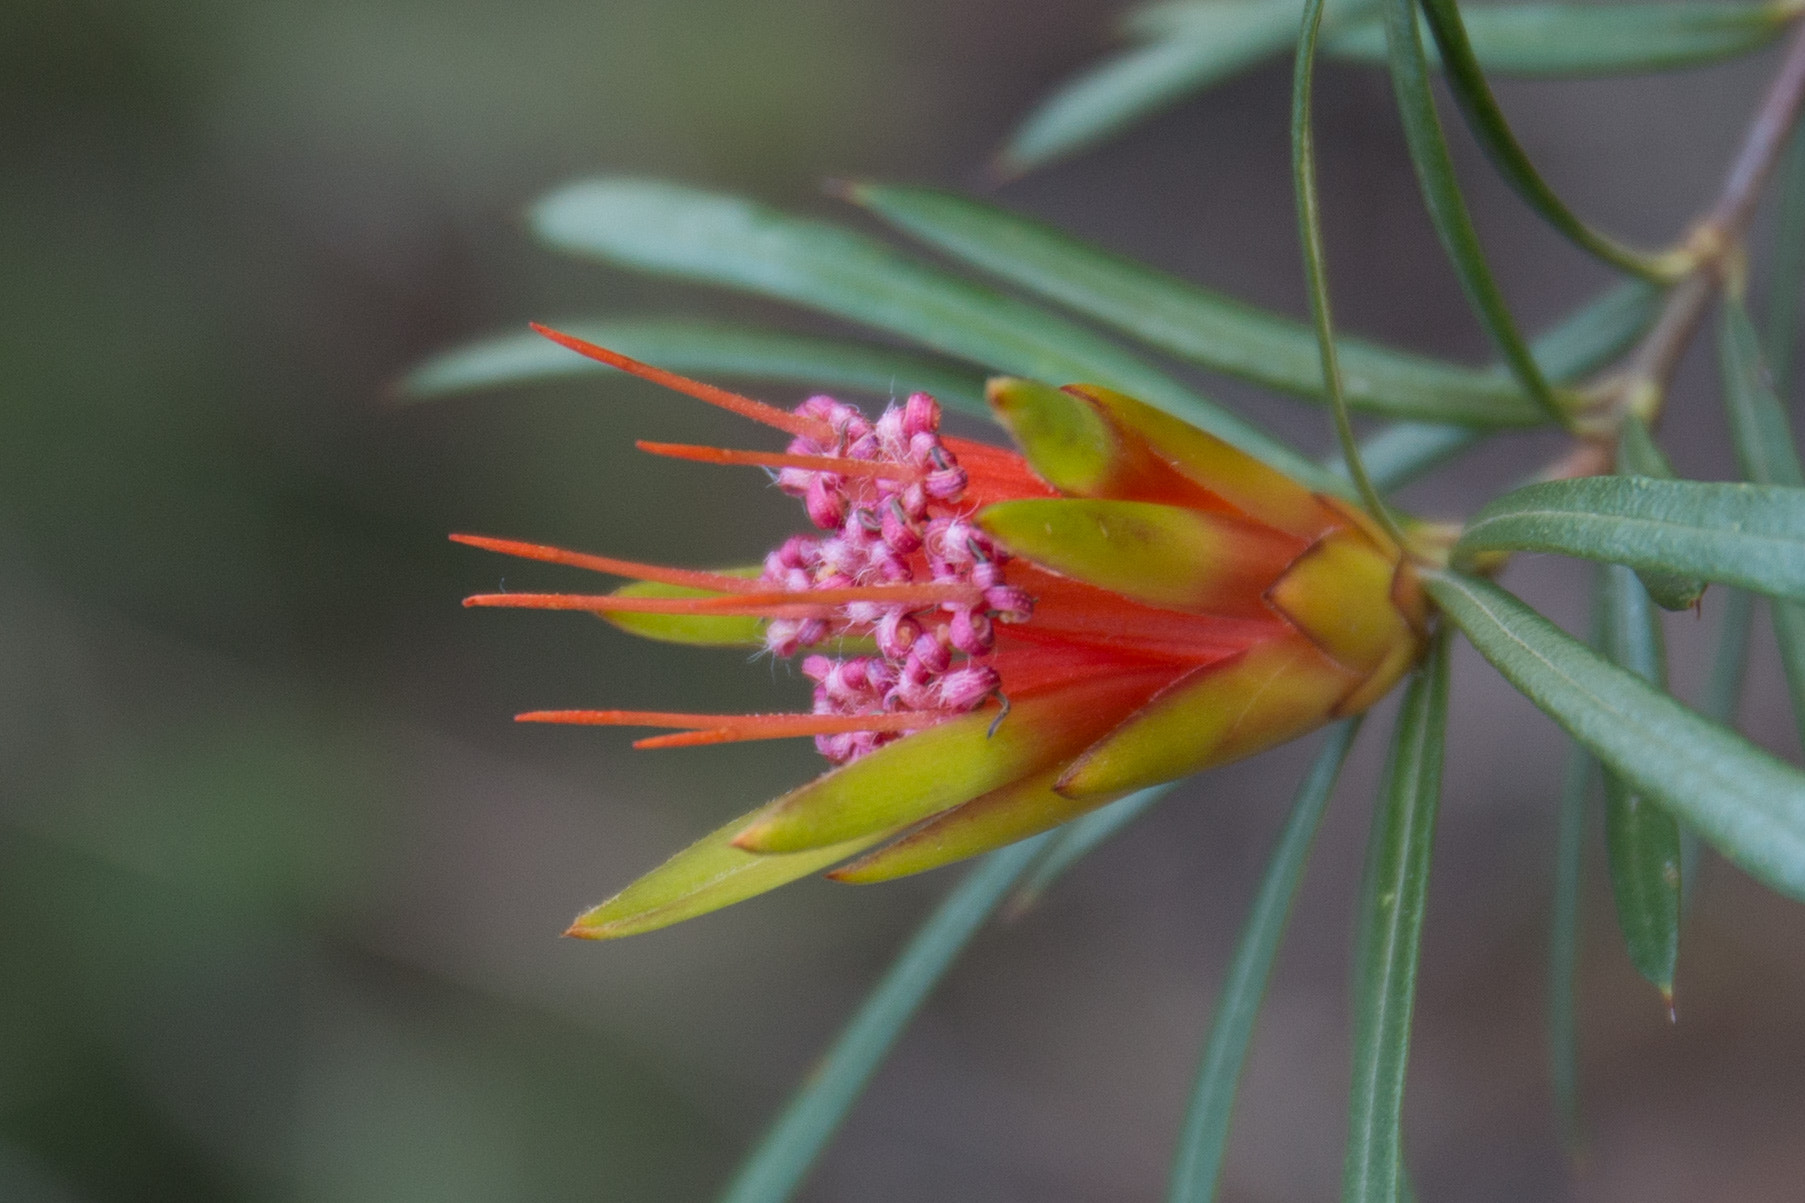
(1391, 928)
(1602, 374)
(1191, 46)
(1189, 322)
(1447, 209)
(783, 1159)
(671, 230)
(1203, 1138)
(1747, 535)
(1747, 803)
(1076, 840)
(1466, 79)
(1316, 270)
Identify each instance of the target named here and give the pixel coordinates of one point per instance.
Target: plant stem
(1762, 145)
(1713, 247)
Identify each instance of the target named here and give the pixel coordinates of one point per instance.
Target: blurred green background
(281, 884)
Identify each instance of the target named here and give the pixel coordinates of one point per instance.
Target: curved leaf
(1447, 209)
(788, 1151)
(1204, 1137)
(1747, 535)
(1748, 804)
(699, 349)
(1403, 834)
(1208, 44)
(670, 230)
(1466, 79)
(1316, 267)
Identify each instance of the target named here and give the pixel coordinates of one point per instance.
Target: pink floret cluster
(909, 528)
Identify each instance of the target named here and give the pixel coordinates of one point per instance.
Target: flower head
(1000, 642)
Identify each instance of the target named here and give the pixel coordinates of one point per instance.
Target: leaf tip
(755, 837)
(582, 930)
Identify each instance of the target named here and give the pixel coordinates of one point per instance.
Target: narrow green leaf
(1466, 79)
(1583, 39)
(1769, 456)
(1563, 940)
(1078, 839)
(1747, 535)
(698, 349)
(1747, 803)
(1642, 839)
(1788, 267)
(1404, 831)
(1405, 451)
(670, 230)
(1639, 455)
(1219, 332)
(1316, 268)
(1204, 1136)
(1212, 43)
(789, 1150)
(1447, 210)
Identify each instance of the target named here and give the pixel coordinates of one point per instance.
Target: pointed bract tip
(577, 931)
(752, 838)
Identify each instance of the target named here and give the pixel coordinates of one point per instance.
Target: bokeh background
(280, 882)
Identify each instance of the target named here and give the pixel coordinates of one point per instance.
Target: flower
(999, 642)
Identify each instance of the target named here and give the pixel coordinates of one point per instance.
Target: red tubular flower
(1000, 642)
